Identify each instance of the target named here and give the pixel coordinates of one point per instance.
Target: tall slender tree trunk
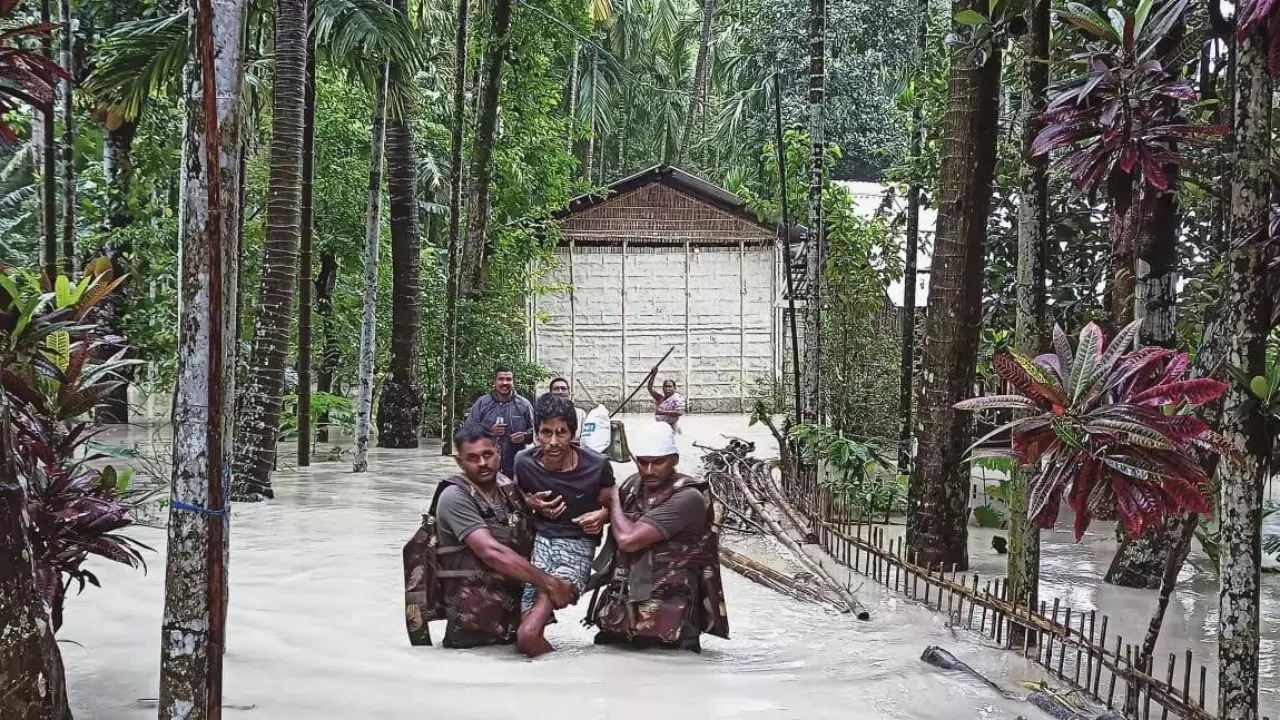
(258, 424)
(817, 242)
(305, 432)
(117, 171)
(907, 359)
(191, 648)
(471, 273)
(326, 281)
(571, 98)
(1247, 316)
(68, 142)
(400, 402)
(698, 93)
(1031, 330)
(49, 173)
(32, 683)
(938, 496)
(589, 158)
(450, 349)
(372, 243)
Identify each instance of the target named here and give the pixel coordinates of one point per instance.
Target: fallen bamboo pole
(770, 578)
(846, 596)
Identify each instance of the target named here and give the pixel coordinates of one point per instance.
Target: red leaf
(1196, 392)
(1185, 496)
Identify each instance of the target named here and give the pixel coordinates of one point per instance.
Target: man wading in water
(508, 416)
(658, 578)
(483, 536)
(567, 485)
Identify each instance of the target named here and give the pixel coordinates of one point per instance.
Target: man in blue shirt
(507, 415)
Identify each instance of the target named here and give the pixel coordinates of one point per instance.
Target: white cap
(655, 439)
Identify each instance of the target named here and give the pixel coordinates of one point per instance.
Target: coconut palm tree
(258, 420)
(938, 510)
(400, 403)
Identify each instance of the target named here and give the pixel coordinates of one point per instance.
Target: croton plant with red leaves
(1110, 428)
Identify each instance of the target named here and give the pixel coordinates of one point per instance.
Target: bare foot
(533, 644)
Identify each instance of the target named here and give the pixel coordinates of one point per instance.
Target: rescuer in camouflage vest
(469, 561)
(657, 580)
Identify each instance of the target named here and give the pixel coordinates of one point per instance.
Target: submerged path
(316, 631)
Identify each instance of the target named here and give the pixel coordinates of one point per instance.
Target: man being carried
(658, 577)
(484, 534)
(567, 485)
(508, 415)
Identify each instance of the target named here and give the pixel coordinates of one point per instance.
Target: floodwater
(316, 629)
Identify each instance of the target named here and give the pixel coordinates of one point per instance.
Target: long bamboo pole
(643, 382)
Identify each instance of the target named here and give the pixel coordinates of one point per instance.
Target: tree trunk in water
(258, 424)
(1031, 329)
(49, 173)
(32, 683)
(117, 171)
(1141, 562)
(400, 403)
(698, 93)
(305, 432)
(471, 273)
(938, 496)
(1246, 319)
(68, 143)
(816, 244)
(326, 281)
(450, 349)
(1126, 216)
(369, 320)
(195, 573)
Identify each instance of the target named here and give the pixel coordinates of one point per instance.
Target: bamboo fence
(1074, 647)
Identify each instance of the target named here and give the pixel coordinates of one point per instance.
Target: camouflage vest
(448, 582)
(669, 591)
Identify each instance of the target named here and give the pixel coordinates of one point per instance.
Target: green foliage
(855, 474)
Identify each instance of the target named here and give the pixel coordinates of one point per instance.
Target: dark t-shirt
(682, 517)
(580, 488)
(457, 516)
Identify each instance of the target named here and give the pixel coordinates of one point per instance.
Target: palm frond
(365, 33)
(138, 59)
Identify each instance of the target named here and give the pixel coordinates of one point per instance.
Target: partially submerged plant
(53, 373)
(1109, 427)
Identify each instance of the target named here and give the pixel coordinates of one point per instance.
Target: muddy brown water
(315, 627)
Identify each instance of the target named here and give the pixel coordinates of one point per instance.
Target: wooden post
(573, 319)
(688, 368)
(742, 325)
(625, 384)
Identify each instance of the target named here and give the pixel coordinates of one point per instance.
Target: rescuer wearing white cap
(657, 580)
